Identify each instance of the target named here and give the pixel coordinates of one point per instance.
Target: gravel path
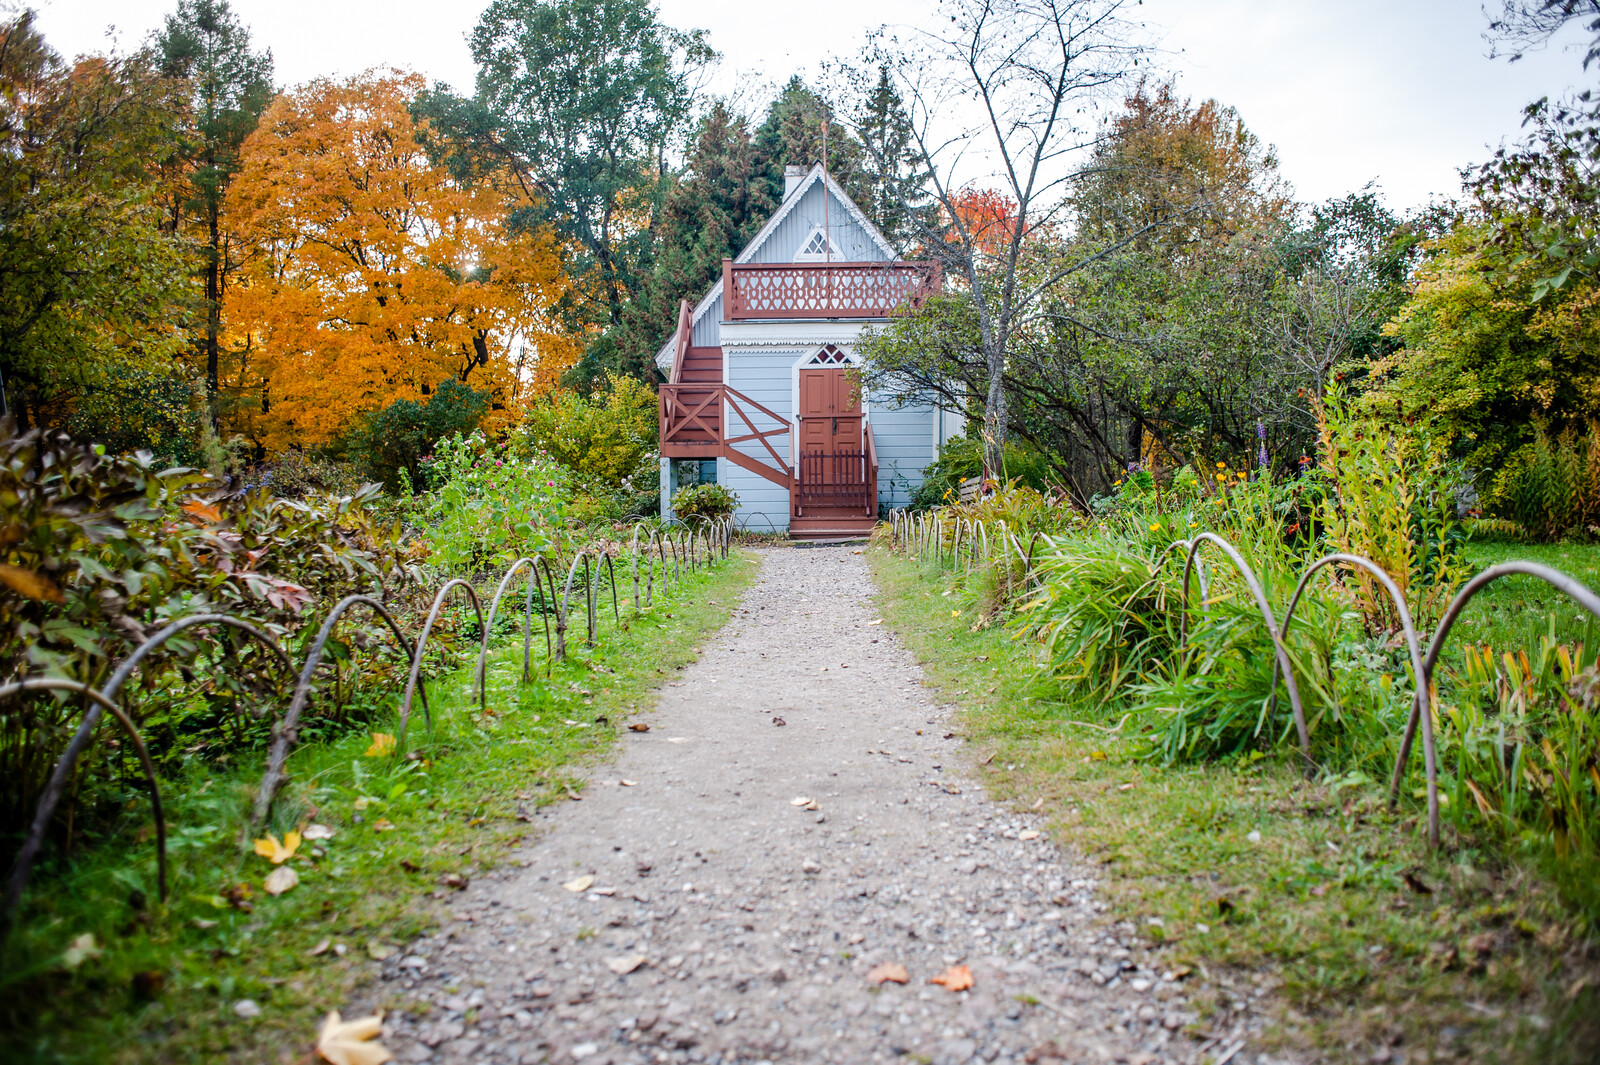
(692, 909)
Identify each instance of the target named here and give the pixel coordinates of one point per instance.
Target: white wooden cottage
(759, 396)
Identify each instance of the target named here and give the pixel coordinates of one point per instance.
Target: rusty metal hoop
(18, 880)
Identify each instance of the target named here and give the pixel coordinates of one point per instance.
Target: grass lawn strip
(1271, 889)
(171, 984)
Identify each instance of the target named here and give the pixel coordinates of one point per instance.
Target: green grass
(1513, 610)
(1319, 908)
(166, 979)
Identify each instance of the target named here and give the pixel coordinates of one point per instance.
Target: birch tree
(1005, 94)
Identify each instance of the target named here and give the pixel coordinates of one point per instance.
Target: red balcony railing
(825, 290)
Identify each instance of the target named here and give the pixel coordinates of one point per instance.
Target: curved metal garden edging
(1279, 649)
(1561, 582)
(611, 572)
(55, 787)
(286, 730)
(18, 880)
(650, 575)
(416, 659)
(527, 618)
(566, 602)
(1418, 670)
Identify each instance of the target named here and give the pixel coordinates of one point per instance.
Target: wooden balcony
(825, 290)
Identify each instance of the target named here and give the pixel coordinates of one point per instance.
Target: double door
(833, 459)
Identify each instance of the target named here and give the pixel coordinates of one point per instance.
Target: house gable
(780, 240)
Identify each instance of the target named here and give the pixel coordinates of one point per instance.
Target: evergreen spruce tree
(894, 180)
(717, 205)
(206, 45)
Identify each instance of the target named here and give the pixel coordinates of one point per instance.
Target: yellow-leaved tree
(371, 275)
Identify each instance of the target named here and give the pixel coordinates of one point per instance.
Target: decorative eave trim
(768, 333)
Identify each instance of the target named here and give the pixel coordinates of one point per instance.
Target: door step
(830, 526)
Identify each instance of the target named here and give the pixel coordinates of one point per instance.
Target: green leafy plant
(1551, 487)
(486, 506)
(1391, 498)
(704, 502)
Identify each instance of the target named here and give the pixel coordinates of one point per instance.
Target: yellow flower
(1154, 526)
(1194, 525)
(1222, 465)
(1115, 483)
(1222, 477)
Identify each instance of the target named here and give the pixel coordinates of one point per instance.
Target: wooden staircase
(701, 417)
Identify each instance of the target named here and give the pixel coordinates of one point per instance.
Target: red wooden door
(830, 410)
(832, 463)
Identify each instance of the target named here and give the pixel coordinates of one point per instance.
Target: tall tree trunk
(213, 304)
(994, 412)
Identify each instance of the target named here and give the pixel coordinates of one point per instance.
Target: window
(816, 248)
(829, 356)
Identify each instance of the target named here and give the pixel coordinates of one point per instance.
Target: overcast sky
(1399, 92)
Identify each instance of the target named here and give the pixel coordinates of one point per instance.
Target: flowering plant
(487, 508)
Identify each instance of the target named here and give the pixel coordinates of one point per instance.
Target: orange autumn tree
(989, 217)
(372, 275)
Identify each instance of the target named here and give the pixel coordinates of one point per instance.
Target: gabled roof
(664, 356)
(790, 202)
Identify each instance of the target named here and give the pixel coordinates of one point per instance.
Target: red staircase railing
(696, 419)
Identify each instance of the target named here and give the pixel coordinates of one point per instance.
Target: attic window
(816, 248)
(829, 356)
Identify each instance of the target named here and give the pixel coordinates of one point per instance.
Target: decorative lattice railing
(825, 290)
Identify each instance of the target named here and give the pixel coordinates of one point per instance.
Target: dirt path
(757, 920)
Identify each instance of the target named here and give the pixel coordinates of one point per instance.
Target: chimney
(793, 174)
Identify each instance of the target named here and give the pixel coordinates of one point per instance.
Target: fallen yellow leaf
(275, 852)
(348, 1042)
(888, 972)
(955, 978)
(583, 883)
(280, 880)
(382, 744)
(28, 583)
(383, 824)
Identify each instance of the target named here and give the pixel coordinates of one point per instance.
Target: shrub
(1551, 487)
(962, 458)
(708, 501)
(608, 439)
(394, 440)
(101, 551)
